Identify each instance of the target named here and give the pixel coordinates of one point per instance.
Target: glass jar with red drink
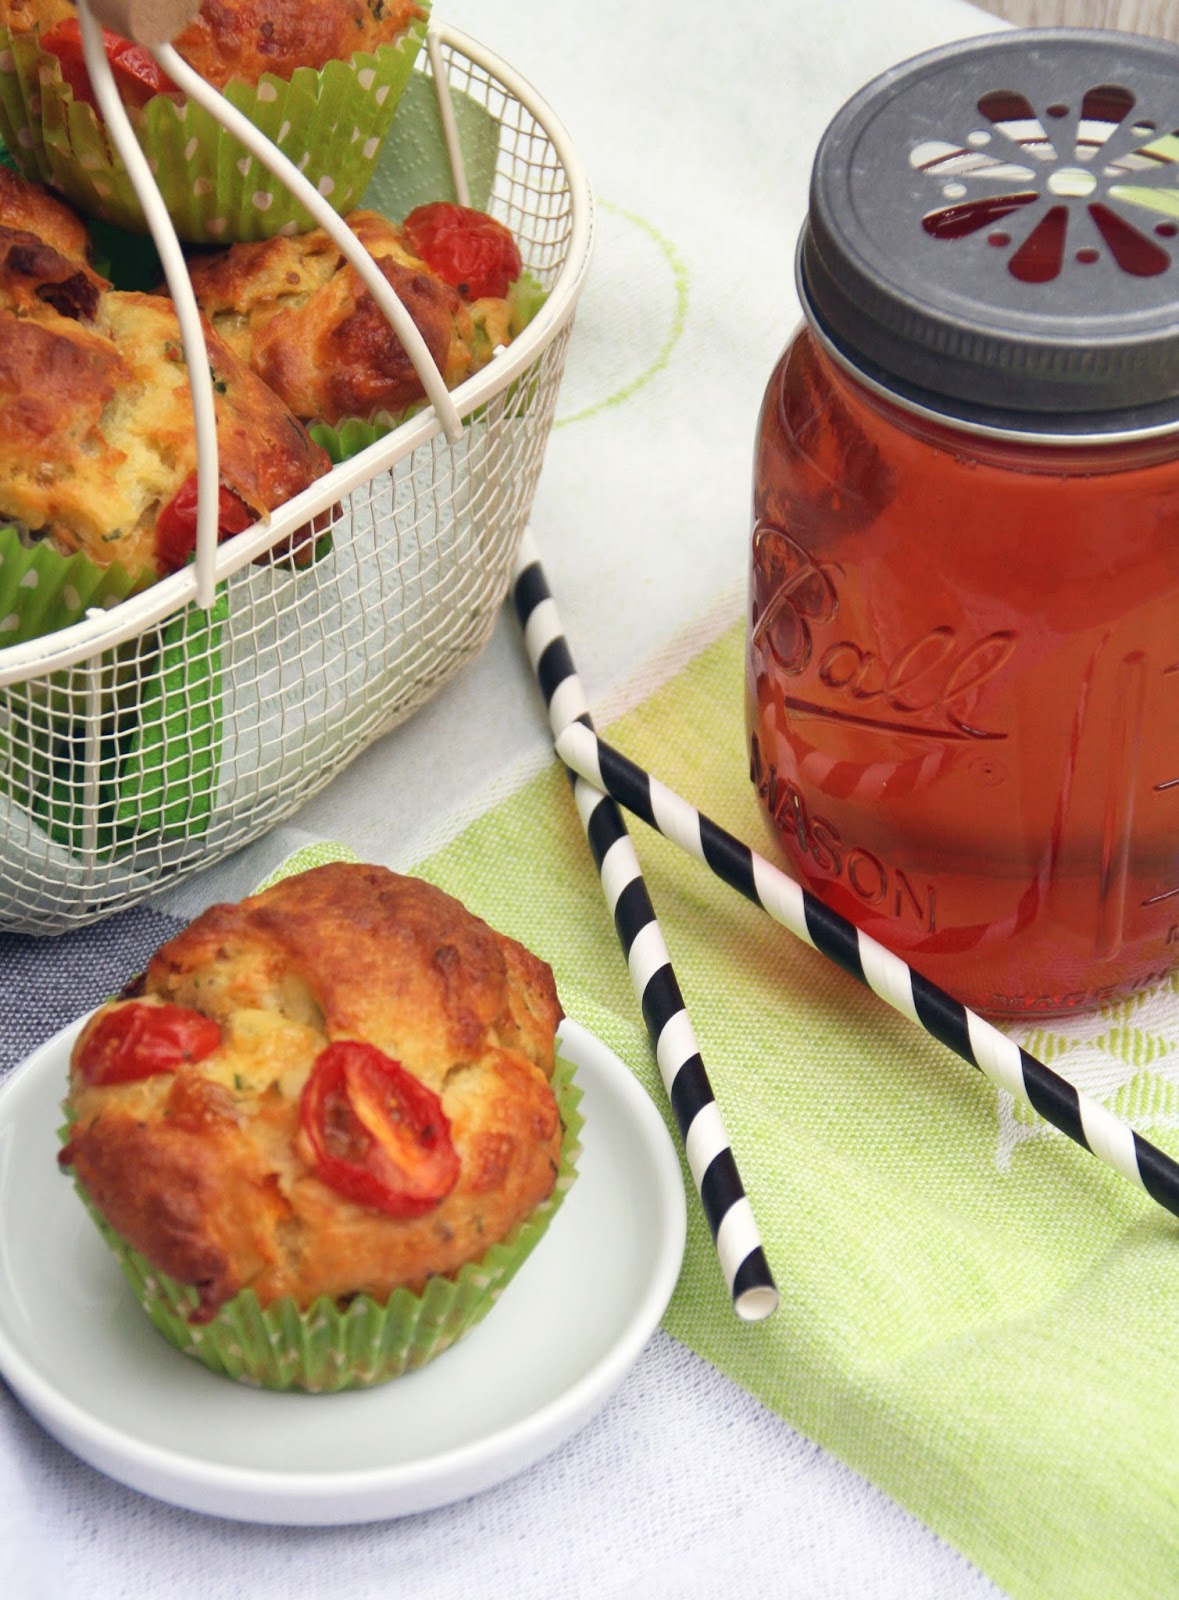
(963, 651)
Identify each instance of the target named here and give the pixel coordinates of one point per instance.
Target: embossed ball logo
(792, 591)
(928, 684)
(1085, 181)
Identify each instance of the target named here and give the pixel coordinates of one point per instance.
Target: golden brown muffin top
(245, 38)
(96, 426)
(208, 1169)
(30, 208)
(44, 254)
(35, 16)
(297, 312)
(362, 952)
(35, 278)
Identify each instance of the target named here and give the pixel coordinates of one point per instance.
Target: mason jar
(962, 681)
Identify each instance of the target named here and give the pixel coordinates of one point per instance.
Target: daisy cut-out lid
(993, 232)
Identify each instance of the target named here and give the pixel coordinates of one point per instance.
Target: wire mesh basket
(148, 741)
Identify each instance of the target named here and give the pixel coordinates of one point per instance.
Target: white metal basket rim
(102, 629)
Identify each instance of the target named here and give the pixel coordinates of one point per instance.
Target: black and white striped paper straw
(710, 1159)
(1093, 1126)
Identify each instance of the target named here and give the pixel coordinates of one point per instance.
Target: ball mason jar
(962, 676)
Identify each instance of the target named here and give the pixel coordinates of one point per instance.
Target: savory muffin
(321, 80)
(36, 280)
(297, 313)
(97, 442)
(30, 208)
(339, 1087)
(242, 39)
(35, 16)
(44, 254)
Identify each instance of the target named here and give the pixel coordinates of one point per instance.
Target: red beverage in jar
(963, 657)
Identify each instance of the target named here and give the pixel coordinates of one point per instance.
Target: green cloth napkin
(976, 1315)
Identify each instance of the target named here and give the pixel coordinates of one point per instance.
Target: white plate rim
(377, 1493)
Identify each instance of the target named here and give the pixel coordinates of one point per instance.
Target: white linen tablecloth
(697, 127)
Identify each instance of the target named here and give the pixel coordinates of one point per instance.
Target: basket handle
(454, 153)
(176, 273)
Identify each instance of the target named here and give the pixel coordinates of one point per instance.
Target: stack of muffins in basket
(97, 445)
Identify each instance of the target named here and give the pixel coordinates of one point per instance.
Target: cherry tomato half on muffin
(176, 523)
(471, 251)
(137, 1041)
(137, 74)
(379, 1135)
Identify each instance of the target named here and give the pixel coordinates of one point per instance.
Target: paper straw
(1093, 1126)
(706, 1145)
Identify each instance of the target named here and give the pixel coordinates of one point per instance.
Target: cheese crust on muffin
(212, 1171)
(296, 311)
(35, 16)
(97, 433)
(96, 426)
(242, 39)
(30, 208)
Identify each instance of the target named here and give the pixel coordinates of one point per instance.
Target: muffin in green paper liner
(356, 1344)
(331, 121)
(325, 1127)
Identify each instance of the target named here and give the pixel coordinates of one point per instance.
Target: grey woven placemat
(46, 983)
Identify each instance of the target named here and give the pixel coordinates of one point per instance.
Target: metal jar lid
(993, 232)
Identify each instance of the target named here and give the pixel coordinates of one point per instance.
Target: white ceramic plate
(83, 1357)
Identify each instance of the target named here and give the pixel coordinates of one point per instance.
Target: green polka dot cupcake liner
(156, 717)
(331, 123)
(361, 1343)
(42, 590)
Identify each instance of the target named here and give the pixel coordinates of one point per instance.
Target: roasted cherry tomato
(137, 74)
(137, 1041)
(380, 1137)
(471, 251)
(176, 523)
